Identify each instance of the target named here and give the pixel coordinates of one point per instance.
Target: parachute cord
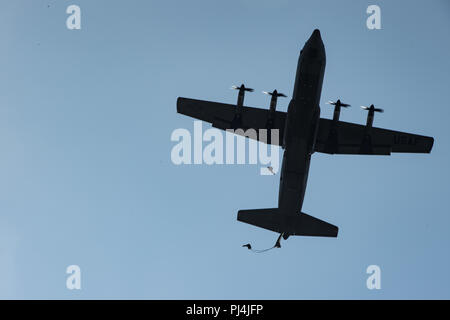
(277, 245)
(262, 250)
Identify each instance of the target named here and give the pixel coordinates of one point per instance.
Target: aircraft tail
(291, 225)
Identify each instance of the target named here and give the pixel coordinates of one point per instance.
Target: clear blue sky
(85, 172)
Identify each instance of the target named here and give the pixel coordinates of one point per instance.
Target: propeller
(372, 107)
(337, 108)
(240, 100)
(275, 93)
(242, 87)
(338, 103)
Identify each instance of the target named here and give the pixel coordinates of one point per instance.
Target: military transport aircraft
(303, 132)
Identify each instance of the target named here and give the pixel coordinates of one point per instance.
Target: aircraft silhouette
(303, 132)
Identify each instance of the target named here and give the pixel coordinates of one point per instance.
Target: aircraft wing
(350, 138)
(223, 116)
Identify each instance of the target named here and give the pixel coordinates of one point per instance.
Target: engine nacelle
(371, 115)
(241, 94)
(273, 106)
(337, 109)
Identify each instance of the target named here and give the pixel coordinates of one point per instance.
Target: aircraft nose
(314, 47)
(315, 37)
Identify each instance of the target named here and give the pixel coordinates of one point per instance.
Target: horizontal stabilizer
(291, 225)
(306, 225)
(263, 218)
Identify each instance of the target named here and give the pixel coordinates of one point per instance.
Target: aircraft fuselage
(301, 126)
